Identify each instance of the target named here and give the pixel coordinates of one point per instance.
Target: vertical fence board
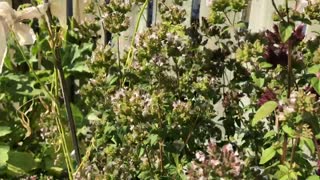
(187, 5)
(204, 9)
(59, 9)
(261, 14)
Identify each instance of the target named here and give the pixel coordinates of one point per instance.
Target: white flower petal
(3, 45)
(24, 33)
(32, 12)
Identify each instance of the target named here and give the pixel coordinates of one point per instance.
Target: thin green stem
(287, 11)
(118, 59)
(61, 129)
(130, 53)
(63, 84)
(277, 10)
(228, 19)
(42, 86)
(295, 144)
(54, 101)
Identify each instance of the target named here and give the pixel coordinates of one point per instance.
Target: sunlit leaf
(269, 134)
(314, 177)
(288, 130)
(264, 111)
(4, 149)
(20, 162)
(267, 155)
(309, 143)
(4, 130)
(314, 69)
(286, 32)
(315, 82)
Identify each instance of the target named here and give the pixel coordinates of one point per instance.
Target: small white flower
(288, 109)
(12, 20)
(200, 156)
(153, 36)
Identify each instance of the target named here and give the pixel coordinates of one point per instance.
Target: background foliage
(167, 107)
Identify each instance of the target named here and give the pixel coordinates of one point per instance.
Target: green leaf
(265, 65)
(55, 170)
(309, 143)
(269, 134)
(264, 111)
(286, 32)
(4, 149)
(93, 117)
(2, 95)
(77, 114)
(153, 138)
(257, 81)
(141, 153)
(314, 177)
(315, 82)
(20, 162)
(314, 69)
(283, 169)
(4, 130)
(288, 130)
(267, 154)
(79, 67)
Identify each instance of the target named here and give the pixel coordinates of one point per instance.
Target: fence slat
(261, 14)
(187, 5)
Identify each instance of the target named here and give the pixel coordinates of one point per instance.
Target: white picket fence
(259, 14)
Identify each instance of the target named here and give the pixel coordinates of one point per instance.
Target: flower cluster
(267, 95)
(132, 103)
(216, 162)
(276, 51)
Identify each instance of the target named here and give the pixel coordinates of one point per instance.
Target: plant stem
(63, 84)
(295, 144)
(161, 141)
(60, 128)
(55, 102)
(315, 141)
(228, 19)
(287, 10)
(277, 10)
(289, 68)
(71, 122)
(130, 53)
(118, 59)
(284, 148)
